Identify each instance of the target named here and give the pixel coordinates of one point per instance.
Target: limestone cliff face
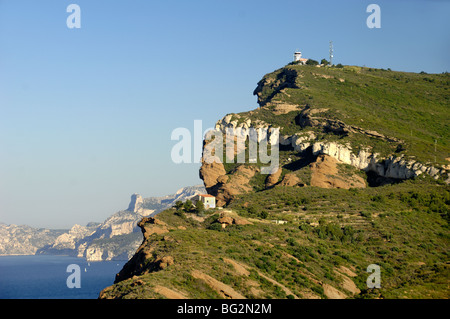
(67, 243)
(225, 185)
(25, 240)
(135, 203)
(118, 237)
(114, 239)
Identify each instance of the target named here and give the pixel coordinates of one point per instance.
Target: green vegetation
(409, 106)
(188, 206)
(312, 62)
(199, 207)
(178, 204)
(403, 228)
(293, 242)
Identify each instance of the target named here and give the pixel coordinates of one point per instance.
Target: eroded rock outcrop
(144, 260)
(268, 87)
(290, 179)
(309, 117)
(234, 183)
(309, 130)
(325, 173)
(391, 167)
(225, 185)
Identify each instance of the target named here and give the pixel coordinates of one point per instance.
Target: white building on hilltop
(298, 58)
(208, 200)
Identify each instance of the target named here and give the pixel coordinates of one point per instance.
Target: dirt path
(169, 293)
(243, 270)
(333, 293)
(223, 289)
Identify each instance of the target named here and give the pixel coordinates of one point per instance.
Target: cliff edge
(361, 179)
(347, 127)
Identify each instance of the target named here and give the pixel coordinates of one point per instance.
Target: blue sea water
(45, 277)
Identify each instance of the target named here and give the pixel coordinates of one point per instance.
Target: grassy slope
(409, 106)
(403, 228)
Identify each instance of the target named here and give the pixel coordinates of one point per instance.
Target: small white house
(208, 200)
(298, 58)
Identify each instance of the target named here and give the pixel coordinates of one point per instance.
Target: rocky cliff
(25, 240)
(358, 182)
(309, 132)
(95, 241)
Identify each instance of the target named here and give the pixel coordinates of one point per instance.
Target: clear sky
(86, 114)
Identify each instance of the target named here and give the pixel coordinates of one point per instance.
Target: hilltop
(407, 109)
(369, 126)
(360, 181)
(297, 243)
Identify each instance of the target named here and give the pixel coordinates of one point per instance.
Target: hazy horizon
(86, 114)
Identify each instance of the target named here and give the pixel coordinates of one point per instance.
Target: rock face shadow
(307, 158)
(375, 180)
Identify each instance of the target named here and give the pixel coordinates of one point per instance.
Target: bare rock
(210, 172)
(333, 293)
(164, 262)
(272, 179)
(151, 225)
(135, 203)
(290, 179)
(325, 174)
(226, 220)
(242, 221)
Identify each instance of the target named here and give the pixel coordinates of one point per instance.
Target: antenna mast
(331, 53)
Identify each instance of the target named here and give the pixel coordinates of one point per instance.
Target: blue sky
(86, 114)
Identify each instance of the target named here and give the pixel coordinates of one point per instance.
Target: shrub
(199, 207)
(215, 226)
(302, 201)
(253, 211)
(311, 62)
(178, 204)
(366, 214)
(180, 214)
(263, 214)
(291, 241)
(188, 205)
(318, 290)
(305, 227)
(334, 232)
(377, 198)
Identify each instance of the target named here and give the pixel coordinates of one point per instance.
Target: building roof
(206, 195)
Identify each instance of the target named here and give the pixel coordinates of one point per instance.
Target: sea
(55, 277)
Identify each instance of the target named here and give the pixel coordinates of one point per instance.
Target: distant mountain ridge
(25, 240)
(117, 238)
